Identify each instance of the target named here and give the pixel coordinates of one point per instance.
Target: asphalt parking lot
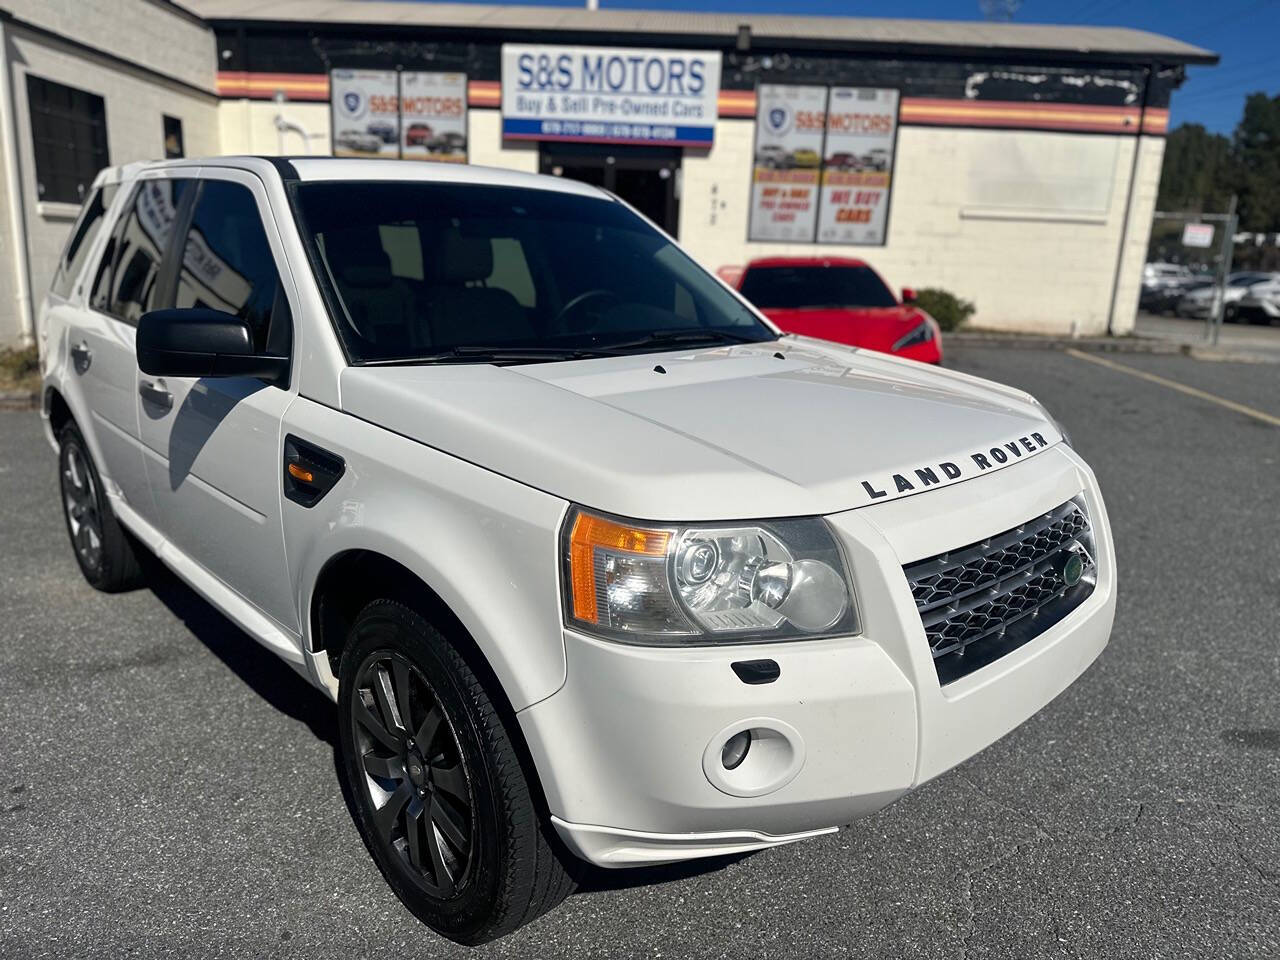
(168, 788)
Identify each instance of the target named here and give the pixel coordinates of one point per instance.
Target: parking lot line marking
(1180, 387)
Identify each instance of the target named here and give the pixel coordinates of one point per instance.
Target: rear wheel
(440, 797)
(103, 550)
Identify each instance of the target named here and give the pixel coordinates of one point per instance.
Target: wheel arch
(352, 578)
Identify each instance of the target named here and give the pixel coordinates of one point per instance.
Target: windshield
(435, 271)
(793, 288)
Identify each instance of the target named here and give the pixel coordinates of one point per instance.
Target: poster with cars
(790, 123)
(364, 108)
(433, 116)
(857, 168)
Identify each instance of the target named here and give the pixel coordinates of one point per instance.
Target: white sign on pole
(858, 166)
(364, 108)
(790, 121)
(609, 94)
(1197, 235)
(433, 122)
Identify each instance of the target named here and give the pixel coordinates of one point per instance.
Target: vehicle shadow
(593, 879)
(260, 669)
(273, 680)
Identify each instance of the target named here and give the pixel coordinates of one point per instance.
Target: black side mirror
(195, 342)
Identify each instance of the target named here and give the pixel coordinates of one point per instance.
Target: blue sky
(1244, 32)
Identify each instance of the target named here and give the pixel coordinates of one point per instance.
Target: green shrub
(19, 368)
(944, 306)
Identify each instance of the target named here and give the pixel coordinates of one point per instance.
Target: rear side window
(227, 263)
(125, 286)
(80, 242)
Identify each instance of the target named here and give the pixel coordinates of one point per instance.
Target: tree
(1198, 172)
(1256, 147)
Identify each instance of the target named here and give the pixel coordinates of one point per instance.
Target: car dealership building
(1014, 165)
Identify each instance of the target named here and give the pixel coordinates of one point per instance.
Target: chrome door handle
(158, 395)
(81, 356)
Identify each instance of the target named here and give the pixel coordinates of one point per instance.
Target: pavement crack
(970, 919)
(1270, 879)
(1025, 815)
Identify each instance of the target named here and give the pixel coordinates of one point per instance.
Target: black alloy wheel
(437, 786)
(414, 778)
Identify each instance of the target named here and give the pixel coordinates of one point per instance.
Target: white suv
(596, 564)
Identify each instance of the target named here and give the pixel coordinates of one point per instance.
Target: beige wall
(1025, 224)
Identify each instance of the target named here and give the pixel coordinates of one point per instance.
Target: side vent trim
(309, 471)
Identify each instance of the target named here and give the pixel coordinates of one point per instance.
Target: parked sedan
(1261, 304)
(1198, 302)
(841, 299)
(357, 141)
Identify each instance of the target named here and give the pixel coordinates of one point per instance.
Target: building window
(173, 149)
(69, 133)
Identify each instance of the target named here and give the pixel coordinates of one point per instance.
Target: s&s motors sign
(609, 94)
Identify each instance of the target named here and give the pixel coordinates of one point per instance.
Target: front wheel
(440, 796)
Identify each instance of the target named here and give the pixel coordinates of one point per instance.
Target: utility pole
(1227, 252)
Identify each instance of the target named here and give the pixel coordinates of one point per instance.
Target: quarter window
(69, 137)
(80, 242)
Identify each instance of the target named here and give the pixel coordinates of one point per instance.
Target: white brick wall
(140, 31)
(135, 105)
(1044, 269)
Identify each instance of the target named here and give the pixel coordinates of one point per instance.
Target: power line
(1233, 85)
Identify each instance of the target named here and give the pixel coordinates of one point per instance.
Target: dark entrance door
(645, 177)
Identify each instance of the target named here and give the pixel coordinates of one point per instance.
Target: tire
(104, 551)
(452, 824)
(1230, 313)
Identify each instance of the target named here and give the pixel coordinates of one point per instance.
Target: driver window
(227, 263)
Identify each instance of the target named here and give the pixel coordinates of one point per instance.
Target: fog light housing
(735, 750)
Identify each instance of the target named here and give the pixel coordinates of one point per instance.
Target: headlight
(674, 585)
(918, 335)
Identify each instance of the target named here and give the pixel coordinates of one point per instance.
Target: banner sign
(433, 116)
(857, 165)
(1197, 235)
(364, 110)
(609, 94)
(790, 122)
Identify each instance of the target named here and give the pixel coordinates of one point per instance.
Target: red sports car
(841, 299)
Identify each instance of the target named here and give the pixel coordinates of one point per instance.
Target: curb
(1131, 344)
(19, 400)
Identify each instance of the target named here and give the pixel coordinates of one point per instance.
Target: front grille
(980, 602)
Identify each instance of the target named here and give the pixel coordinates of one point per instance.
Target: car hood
(877, 328)
(794, 427)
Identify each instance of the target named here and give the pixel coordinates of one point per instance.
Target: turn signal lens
(301, 473)
(592, 535)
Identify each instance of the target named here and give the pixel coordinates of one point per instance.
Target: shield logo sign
(777, 118)
(351, 100)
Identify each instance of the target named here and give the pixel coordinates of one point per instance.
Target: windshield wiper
(698, 335)
(479, 354)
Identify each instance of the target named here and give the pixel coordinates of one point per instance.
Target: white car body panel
(463, 475)
(616, 435)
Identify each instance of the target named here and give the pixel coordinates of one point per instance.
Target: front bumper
(627, 749)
